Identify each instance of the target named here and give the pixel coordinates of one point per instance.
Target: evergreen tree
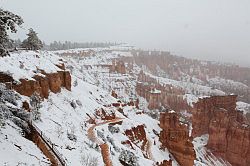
(8, 22)
(32, 42)
(35, 102)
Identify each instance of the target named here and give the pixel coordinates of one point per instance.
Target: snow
(227, 83)
(155, 91)
(190, 88)
(244, 107)
(25, 64)
(203, 156)
(28, 153)
(191, 99)
(92, 84)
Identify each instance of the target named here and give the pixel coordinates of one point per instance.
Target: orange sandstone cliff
(175, 137)
(229, 136)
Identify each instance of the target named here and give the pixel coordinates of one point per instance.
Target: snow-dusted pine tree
(32, 42)
(8, 22)
(128, 158)
(35, 102)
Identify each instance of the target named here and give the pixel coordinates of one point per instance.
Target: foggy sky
(205, 29)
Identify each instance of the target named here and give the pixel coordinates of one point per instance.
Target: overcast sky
(205, 29)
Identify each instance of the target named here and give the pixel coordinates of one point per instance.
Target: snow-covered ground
(203, 156)
(17, 150)
(65, 116)
(244, 107)
(26, 64)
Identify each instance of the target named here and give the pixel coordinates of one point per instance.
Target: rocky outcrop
(114, 94)
(175, 67)
(105, 114)
(164, 163)
(205, 110)
(229, 137)
(118, 66)
(158, 95)
(42, 85)
(5, 78)
(175, 137)
(137, 135)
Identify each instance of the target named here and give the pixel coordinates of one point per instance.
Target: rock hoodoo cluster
(159, 95)
(229, 136)
(175, 137)
(175, 67)
(40, 84)
(118, 66)
(137, 135)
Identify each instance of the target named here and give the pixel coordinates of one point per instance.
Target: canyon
(229, 135)
(125, 109)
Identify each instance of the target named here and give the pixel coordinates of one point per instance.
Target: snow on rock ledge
(35, 72)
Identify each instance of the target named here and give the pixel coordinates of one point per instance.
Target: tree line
(9, 23)
(57, 45)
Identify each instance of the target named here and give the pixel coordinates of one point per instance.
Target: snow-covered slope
(70, 118)
(17, 150)
(65, 116)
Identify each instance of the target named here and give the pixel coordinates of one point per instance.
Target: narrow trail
(104, 146)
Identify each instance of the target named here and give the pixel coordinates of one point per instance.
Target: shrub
(128, 158)
(88, 160)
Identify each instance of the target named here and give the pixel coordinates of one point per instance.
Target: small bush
(73, 104)
(114, 129)
(128, 158)
(88, 160)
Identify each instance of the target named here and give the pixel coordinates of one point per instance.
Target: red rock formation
(175, 137)
(114, 94)
(128, 143)
(204, 111)
(176, 66)
(118, 66)
(42, 85)
(154, 99)
(133, 103)
(137, 135)
(229, 137)
(65, 79)
(164, 163)
(105, 114)
(159, 95)
(116, 104)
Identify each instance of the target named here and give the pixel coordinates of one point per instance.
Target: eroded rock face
(118, 66)
(42, 85)
(175, 137)
(204, 112)
(105, 114)
(175, 66)
(5, 78)
(158, 95)
(164, 163)
(229, 137)
(137, 135)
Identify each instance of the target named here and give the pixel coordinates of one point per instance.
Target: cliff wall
(229, 136)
